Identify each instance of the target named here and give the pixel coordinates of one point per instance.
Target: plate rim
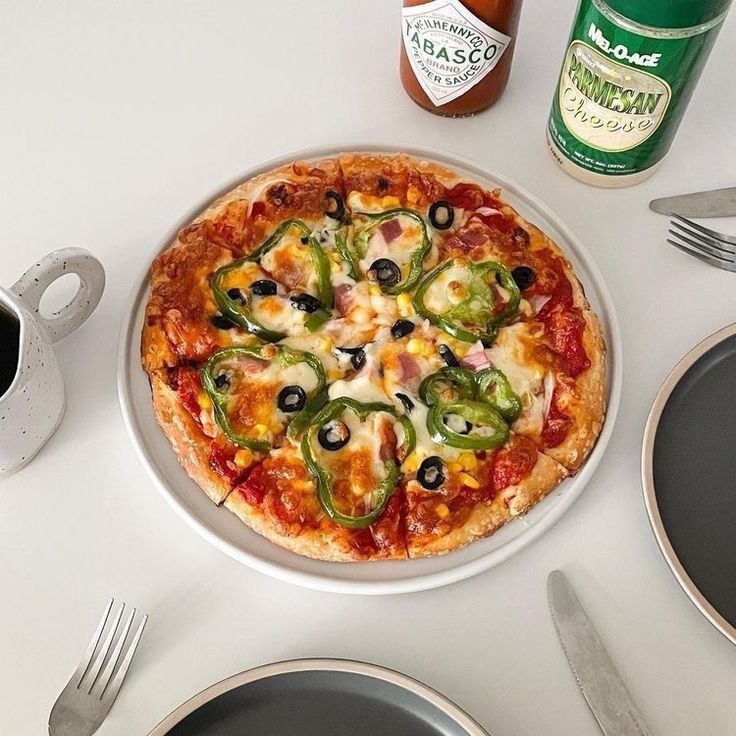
(647, 479)
(322, 664)
(425, 581)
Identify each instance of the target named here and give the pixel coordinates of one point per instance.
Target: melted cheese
(511, 354)
(276, 313)
(447, 289)
(367, 203)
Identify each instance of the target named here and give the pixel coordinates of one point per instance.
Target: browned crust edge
(488, 517)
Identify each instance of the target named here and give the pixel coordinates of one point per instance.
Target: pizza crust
(328, 542)
(486, 518)
(191, 447)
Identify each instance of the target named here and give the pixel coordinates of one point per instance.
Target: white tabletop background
(115, 118)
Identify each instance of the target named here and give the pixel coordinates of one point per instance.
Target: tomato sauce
(510, 465)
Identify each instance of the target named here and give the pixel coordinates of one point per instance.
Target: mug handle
(33, 283)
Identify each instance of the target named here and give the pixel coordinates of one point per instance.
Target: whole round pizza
(369, 357)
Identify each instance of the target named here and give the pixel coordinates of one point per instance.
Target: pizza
(370, 357)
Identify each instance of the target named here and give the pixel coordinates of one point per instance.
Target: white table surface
(115, 119)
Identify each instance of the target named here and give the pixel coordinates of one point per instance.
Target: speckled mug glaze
(32, 407)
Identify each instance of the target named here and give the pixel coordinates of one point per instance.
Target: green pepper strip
(347, 254)
(416, 259)
(475, 412)
(460, 381)
(494, 388)
(445, 321)
(243, 317)
(286, 358)
(331, 411)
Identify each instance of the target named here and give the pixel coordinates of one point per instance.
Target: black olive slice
(357, 356)
(222, 322)
(304, 239)
(431, 473)
(235, 295)
(384, 272)
(291, 399)
(406, 401)
(222, 381)
(263, 287)
(305, 302)
(457, 424)
(335, 205)
(441, 215)
(401, 328)
(524, 276)
(448, 356)
(334, 435)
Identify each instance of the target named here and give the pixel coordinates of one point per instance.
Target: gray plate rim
(365, 669)
(647, 479)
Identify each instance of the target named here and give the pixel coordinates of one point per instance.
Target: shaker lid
(669, 13)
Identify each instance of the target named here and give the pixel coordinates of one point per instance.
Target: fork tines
(708, 245)
(90, 677)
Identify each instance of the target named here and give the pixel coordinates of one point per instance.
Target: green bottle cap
(669, 13)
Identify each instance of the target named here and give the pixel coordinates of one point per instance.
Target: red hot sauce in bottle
(456, 54)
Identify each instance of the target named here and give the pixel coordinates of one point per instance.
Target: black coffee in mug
(9, 347)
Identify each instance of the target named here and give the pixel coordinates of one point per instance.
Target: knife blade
(714, 203)
(596, 675)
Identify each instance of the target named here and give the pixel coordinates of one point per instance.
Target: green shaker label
(607, 105)
(621, 95)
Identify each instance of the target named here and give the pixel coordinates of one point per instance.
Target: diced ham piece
(476, 359)
(409, 368)
(390, 230)
(343, 298)
(248, 364)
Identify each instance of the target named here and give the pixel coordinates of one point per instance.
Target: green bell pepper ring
(347, 254)
(495, 389)
(475, 412)
(416, 258)
(459, 381)
(477, 307)
(333, 410)
(242, 315)
(286, 357)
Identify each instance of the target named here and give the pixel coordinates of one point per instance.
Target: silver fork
(88, 696)
(716, 249)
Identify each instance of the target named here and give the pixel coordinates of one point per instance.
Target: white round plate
(227, 532)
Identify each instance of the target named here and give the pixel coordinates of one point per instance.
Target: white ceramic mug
(32, 406)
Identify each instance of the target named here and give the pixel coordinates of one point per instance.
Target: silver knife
(715, 203)
(597, 676)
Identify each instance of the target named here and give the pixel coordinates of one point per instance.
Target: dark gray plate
(689, 471)
(322, 697)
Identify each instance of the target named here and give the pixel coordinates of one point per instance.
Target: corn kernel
(325, 344)
(413, 195)
(375, 290)
(468, 460)
(404, 305)
(429, 350)
(455, 467)
(243, 458)
(411, 463)
(415, 346)
(335, 267)
(204, 401)
(468, 480)
(442, 510)
(260, 430)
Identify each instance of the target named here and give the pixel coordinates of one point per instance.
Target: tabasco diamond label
(449, 49)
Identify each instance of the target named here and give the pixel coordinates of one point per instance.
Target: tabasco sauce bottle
(456, 54)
